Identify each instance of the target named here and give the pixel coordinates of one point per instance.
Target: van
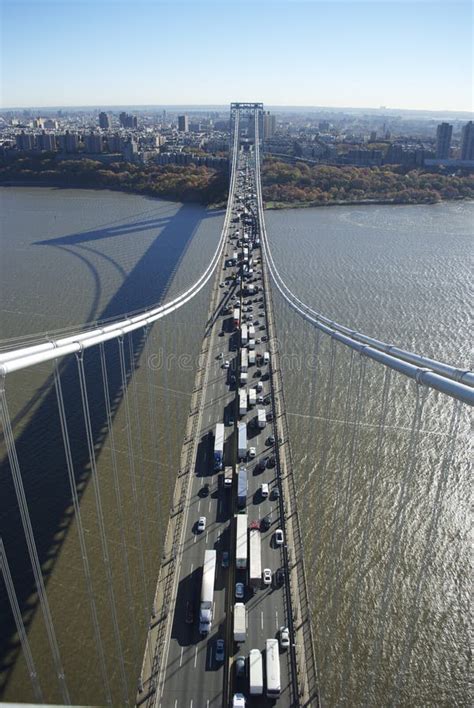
(266, 357)
(264, 490)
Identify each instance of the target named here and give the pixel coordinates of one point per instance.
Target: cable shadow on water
(39, 445)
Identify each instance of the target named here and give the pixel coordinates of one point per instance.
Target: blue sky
(402, 54)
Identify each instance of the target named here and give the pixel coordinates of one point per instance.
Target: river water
(385, 521)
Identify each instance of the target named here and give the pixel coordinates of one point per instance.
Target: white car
(239, 591)
(226, 364)
(267, 576)
(252, 452)
(279, 537)
(201, 525)
(264, 490)
(238, 701)
(284, 637)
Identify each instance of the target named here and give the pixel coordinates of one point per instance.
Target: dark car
(280, 577)
(263, 463)
(271, 461)
(270, 415)
(240, 666)
(275, 493)
(204, 491)
(257, 373)
(271, 440)
(225, 559)
(265, 523)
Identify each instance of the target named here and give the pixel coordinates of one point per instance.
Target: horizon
(290, 53)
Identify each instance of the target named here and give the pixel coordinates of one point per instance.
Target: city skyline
(406, 55)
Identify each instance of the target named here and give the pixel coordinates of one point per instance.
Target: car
(204, 491)
(254, 525)
(280, 577)
(220, 650)
(250, 318)
(201, 524)
(189, 617)
(284, 638)
(271, 440)
(264, 490)
(263, 463)
(264, 338)
(238, 700)
(279, 537)
(252, 452)
(268, 400)
(226, 364)
(232, 378)
(230, 421)
(239, 591)
(257, 373)
(221, 334)
(259, 399)
(270, 415)
(240, 666)
(265, 523)
(258, 340)
(267, 576)
(220, 356)
(225, 559)
(271, 461)
(221, 285)
(275, 493)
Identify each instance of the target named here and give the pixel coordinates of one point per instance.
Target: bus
(272, 664)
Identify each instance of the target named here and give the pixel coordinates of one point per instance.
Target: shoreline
(268, 206)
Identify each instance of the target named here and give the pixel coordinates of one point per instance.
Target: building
(128, 121)
(115, 143)
(130, 150)
(93, 143)
(104, 121)
(467, 142)
(25, 141)
(443, 140)
(69, 142)
(269, 125)
(183, 124)
(46, 141)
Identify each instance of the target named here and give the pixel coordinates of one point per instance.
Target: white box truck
(242, 401)
(251, 331)
(242, 451)
(251, 358)
(261, 417)
(272, 660)
(244, 377)
(251, 344)
(252, 397)
(255, 572)
(207, 591)
(244, 358)
(240, 622)
(255, 672)
(244, 335)
(242, 486)
(241, 540)
(219, 447)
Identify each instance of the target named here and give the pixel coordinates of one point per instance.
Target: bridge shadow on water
(39, 443)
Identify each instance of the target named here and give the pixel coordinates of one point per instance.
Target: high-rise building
(467, 144)
(104, 121)
(130, 150)
(46, 141)
(25, 141)
(183, 124)
(128, 121)
(93, 143)
(69, 142)
(443, 140)
(269, 125)
(115, 143)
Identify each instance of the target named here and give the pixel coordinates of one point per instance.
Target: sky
(414, 54)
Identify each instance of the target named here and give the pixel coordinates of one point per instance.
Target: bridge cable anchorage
(436, 510)
(363, 565)
(131, 462)
(30, 541)
(117, 493)
(101, 520)
(80, 531)
(20, 627)
(391, 565)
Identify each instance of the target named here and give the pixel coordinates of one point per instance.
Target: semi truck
(255, 572)
(207, 591)
(244, 358)
(242, 494)
(251, 331)
(252, 397)
(228, 478)
(240, 622)
(261, 417)
(255, 672)
(219, 447)
(236, 316)
(251, 344)
(242, 444)
(252, 356)
(242, 401)
(243, 335)
(244, 377)
(272, 660)
(241, 541)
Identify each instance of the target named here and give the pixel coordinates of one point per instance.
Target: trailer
(207, 591)
(252, 397)
(240, 622)
(241, 541)
(251, 344)
(242, 451)
(242, 488)
(251, 357)
(243, 378)
(236, 317)
(242, 401)
(219, 447)
(272, 659)
(255, 572)
(243, 335)
(244, 358)
(251, 331)
(261, 417)
(255, 672)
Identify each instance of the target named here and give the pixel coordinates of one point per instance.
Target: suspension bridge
(141, 573)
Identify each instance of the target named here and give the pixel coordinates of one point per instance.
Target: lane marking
(191, 571)
(262, 619)
(199, 504)
(176, 703)
(191, 704)
(207, 536)
(195, 657)
(181, 657)
(276, 619)
(194, 538)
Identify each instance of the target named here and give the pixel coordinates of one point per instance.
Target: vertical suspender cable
(152, 429)
(131, 460)
(369, 517)
(387, 590)
(168, 417)
(30, 540)
(436, 510)
(20, 627)
(141, 478)
(100, 517)
(80, 530)
(118, 495)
